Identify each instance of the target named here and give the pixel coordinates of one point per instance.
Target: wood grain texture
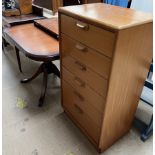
(105, 15)
(95, 82)
(88, 35)
(131, 61)
(25, 6)
(83, 106)
(130, 58)
(49, 25)
(79, 114)
(86, 56)
(32, 41)
(85, 132)
(56, 4)
(83, 88)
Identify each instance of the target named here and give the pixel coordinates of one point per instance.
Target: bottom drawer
(69, 103)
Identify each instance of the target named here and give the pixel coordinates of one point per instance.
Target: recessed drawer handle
(82, 25)
(81, 47)
(79, 82)
(78, 109)
(82, 67)
(79, 95)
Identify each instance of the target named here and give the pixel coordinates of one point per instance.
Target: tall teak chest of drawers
(105, 55)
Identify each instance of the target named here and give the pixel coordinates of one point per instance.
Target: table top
(50, 25)
(33, 41)
(113, 17)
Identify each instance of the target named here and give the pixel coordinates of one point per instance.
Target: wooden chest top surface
(110, 16)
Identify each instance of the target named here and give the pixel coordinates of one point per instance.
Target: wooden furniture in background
(45, 4)
(49, 4)
(11, 12)
(22, 19)
(71, 2)
(25, 6)
(91, 1)
(77, 2)
(105, 54)
(18, 20)
(38, 46)
(55, 4)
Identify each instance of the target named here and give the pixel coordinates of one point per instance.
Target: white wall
(142, 5)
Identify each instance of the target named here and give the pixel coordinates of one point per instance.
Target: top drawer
(92, 36)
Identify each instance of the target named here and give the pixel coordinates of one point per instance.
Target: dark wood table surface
(49, 25)
(14, 20)
(35, 43)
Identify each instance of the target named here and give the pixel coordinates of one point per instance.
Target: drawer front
(94, 81)
(81, 102)
(90, 35)
(74, 106)
(96, 61)
(91, 97)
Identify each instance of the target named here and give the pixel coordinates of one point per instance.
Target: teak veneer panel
(96, 82)
(108, 16)
(86, 56)
(89, 36)
(92, 129)
(83, 105)
(131, 62)
(130, 34)
(89, 95)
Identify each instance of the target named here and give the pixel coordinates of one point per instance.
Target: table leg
(54, 69)
(4, 43)
(18, 59)
(39, 71)
(45, 68)
(44, 87)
